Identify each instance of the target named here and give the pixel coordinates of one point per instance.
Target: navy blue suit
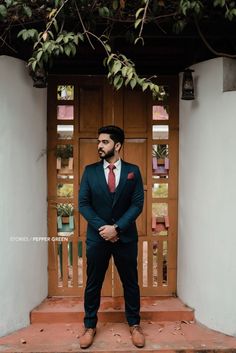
(100, 207)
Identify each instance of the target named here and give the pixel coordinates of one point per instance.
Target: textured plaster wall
(23, 262)
(207, 194)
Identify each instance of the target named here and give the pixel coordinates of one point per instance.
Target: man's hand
(108, 233)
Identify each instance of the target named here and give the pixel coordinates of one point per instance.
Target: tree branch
(83, 26)
(232, 56)
(143, 19)
(51, 22)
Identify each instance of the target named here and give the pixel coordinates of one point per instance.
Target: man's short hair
(115, 132)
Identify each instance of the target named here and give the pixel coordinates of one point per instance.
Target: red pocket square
(130, 175)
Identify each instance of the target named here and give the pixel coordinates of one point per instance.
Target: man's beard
(108, 154)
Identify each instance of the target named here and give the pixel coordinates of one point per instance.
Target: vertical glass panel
(65, 132)
(160, 219)
(65, 112)
(80, 263)
(70, 264)
(159, 113)
(160, 161)
(145, 263)
(65, 92)
(155, 263)
(160, 209)
(159, 190)
(65, 219)
(165, 263)
(64, 161)
(160, 132)
(59, 263)
(65, 190)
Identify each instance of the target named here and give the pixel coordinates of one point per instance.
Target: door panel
(90, 109)
(78, 106)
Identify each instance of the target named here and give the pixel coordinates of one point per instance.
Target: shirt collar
(117, 164)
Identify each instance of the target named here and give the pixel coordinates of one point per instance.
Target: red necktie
(111, 178)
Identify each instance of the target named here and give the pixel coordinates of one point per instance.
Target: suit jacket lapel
(102, 180)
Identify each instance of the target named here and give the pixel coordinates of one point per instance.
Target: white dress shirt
(116, 171)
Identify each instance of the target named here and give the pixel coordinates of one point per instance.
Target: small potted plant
(65, 217)
(160, 160)
(64, 154)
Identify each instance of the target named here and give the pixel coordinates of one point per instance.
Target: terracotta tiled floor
(167, 324)
(160, 337)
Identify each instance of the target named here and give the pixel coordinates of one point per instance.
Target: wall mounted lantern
(187, 85)
(39, 77)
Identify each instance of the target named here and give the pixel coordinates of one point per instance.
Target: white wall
(23, 264)
(207, 195)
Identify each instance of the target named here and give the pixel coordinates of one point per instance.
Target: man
(110, 199)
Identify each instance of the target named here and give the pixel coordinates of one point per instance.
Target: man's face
(106, 146)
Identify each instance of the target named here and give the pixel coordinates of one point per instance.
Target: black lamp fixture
(39, 77)
(187, 85)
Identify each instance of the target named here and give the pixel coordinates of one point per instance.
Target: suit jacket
(98, 206)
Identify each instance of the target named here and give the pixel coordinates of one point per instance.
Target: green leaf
(139, 12)
(137, 22)
(55, 24)
(66, 39)
(8, 2)
(219, 3)
(59, 38)
(110, 58)
(51, 34)
(34, 63)
(116, 67)
(133, 83)
(25, 35)
(27, 11)
(104, 11)
(116, 79)
(3, 11)
(46, 45)
(108, 48)
(130, 72)
(73, 48)
(81, 37)
(144, 86)
(39, 55)
(120, 83)
(127, 81)
(115, 4)
(33, 33)
(20, 34)
(124, 71)
(76, 40)
(67, 50)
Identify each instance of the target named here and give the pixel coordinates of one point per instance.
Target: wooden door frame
(112, 113)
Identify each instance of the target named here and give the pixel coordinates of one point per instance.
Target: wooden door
(77, 107)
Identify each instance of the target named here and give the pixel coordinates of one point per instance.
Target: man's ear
(117, 146)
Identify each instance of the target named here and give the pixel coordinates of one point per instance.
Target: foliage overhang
(61, 27)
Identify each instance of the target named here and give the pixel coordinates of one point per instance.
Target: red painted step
(69, 310)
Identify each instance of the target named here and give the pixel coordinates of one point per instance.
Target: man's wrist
(117, 228)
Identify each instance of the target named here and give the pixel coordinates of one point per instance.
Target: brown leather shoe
(137, 336)
(87, 337)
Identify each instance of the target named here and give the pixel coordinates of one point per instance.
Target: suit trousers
(125, 258)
